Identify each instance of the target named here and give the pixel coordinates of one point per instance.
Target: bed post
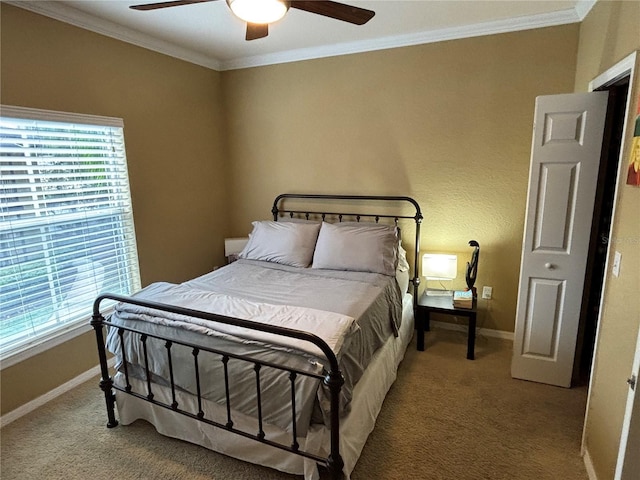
(334, 381)
(416, 272)
(106, 383)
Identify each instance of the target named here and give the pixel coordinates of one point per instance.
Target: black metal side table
(444, 305)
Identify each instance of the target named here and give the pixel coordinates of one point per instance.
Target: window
(66, 222)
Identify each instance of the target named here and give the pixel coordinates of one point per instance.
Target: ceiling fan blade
(257, 30)
(339, 11)
(175, 3)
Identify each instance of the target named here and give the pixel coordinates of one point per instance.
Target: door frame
(621, 69)
(623, 468)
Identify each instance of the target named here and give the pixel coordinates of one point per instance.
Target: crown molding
(75, 17)
(80, 19)
(583, 7)
(562, 17)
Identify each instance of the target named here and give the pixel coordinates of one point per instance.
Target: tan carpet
(445, 418)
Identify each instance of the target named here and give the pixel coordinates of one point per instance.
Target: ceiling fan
(260, 13)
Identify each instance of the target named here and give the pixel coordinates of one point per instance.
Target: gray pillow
(360, 247)
(288, 243)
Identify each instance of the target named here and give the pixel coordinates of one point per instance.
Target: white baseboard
(487, 332)
(589, 465)
(47, 397)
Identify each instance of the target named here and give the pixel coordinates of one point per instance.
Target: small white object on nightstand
(233, 246)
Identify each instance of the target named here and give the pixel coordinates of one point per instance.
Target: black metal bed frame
(332, 379)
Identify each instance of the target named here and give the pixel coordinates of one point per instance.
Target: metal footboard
(333, 379)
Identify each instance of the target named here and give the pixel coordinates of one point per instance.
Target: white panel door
(565, 158)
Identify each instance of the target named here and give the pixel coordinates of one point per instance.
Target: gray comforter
(365, 308)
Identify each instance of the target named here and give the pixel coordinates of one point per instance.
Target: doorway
(601, 227)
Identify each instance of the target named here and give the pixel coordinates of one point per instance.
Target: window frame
(70, 329)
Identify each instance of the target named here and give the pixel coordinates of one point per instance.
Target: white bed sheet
(356, 426)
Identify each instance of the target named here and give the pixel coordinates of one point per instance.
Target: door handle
(632, 382)
(549, 266)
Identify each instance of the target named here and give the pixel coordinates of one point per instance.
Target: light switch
(616, 264)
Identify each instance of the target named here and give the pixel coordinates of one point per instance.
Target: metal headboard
(278, 210)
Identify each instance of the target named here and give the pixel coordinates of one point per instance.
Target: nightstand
(444, 305)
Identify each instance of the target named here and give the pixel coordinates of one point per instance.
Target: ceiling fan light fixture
(259, 11)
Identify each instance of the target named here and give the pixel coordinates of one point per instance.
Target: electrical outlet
(486, 292)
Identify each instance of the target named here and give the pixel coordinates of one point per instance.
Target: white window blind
(66, 222)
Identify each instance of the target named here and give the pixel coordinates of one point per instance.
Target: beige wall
(172, 117)
(448, 123)
(610, 32)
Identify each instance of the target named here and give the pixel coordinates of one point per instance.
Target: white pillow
(402, 277)
(361, 247)
(403, 264)
(288, 243)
